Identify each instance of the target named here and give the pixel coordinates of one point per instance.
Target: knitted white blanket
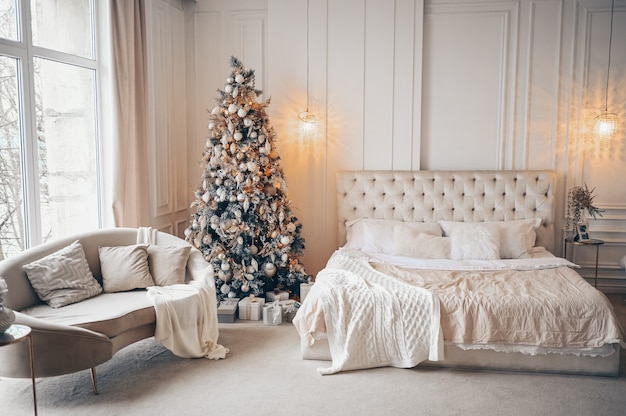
(375, 321)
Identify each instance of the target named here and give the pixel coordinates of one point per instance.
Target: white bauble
(291, 227)
(238, 136)
(229, 80)
(240, 177)
(251, 166)
(235, 92)
(245, 287)
(218, 181)
(284, 257)
(233, 108)
(228, 88)
(211, 126)
(284, 240)
(232, 294)
(253, 134)
(239, 240)
(247, 122)
(239, 78)
(221, 256)
(246, 204)
(242, 112)
(232, 198)
(205, 197)
(225, 266)
(269, 269)
(207, 239)
(225, 289)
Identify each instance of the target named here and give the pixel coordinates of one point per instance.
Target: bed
(454, 269)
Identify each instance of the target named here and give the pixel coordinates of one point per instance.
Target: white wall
(442, 85)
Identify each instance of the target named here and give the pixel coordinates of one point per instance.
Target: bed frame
(463, 196)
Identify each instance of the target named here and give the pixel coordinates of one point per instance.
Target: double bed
(454, 268)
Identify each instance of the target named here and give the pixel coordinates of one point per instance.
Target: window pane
(11, 191)
(8, 20)
(65, 97)
(63, 25)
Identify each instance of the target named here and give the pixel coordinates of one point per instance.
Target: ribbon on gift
(277, 313)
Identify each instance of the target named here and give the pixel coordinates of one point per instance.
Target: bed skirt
(500, 361)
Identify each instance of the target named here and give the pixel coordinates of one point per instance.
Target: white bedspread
(374, 321)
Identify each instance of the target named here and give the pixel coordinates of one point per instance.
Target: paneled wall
(434, 84)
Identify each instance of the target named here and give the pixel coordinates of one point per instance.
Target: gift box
(304, 290)
(227, 311)
(289, 309)
(272, 313)
(251, 308)
(276, 295)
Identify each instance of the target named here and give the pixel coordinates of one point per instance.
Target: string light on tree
(243, 221)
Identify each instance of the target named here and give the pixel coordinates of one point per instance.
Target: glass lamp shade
(308, 125)
(605, 128)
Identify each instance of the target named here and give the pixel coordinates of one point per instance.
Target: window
(49, 142)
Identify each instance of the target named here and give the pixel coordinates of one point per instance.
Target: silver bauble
(269, 269)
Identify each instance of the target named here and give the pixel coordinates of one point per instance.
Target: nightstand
(14, 335)
(591, 242)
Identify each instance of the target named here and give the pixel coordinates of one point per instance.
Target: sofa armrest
(59, 349)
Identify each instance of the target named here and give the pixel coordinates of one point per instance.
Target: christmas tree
(243, 222)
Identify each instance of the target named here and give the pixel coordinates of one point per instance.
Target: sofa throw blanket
(375, 321)
(183, 321)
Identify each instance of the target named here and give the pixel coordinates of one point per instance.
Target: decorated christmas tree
(243, 222)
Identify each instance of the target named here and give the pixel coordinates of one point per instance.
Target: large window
(49, 163)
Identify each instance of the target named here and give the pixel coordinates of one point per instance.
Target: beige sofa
(82, 335)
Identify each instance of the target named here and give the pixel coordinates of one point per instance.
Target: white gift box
(272, 314)
(276, 295)
(251, 308)
(304, 290)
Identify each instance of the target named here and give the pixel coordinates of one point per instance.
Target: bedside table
(591, 242)
(14, 335)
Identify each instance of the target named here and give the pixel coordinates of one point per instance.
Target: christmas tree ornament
(243, 222)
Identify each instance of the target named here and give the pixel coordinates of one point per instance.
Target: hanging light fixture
(307, 120)
(606, 123)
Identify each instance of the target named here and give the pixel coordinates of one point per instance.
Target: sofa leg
(94, 385)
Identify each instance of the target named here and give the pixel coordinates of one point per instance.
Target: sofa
(84, 334)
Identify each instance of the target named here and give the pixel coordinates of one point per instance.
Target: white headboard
(484, 195)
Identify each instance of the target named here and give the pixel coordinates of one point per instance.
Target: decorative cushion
(168, 264)
(125, 268)
(412, 243)
(63, 277)
(377, 235)
(475, 241)
(516, 236)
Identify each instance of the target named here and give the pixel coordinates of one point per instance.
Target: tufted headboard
(484, 195)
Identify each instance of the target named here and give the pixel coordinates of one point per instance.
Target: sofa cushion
(168, 264)
(63, 277)
(109, 313)
(125, 268)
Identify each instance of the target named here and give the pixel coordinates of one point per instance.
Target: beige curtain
(131, 191)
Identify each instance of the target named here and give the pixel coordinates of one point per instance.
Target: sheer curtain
(130, 191)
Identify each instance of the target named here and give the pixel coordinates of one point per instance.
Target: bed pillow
(516, 236)
(125, 268)
(419, 245)
(167, 264)
(474, 241)
(377, 235)
(63, 277)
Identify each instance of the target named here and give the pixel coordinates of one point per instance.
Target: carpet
(264, 375)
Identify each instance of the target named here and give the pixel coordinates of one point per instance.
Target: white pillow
(516, 236)
(63, 277)
(377, 235)
(420, 245)
(474, 241)
(167, 264)
(125, 268)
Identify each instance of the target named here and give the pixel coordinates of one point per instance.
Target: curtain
(131, 190)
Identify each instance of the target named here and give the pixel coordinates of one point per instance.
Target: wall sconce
(307, 120)
(606, 123)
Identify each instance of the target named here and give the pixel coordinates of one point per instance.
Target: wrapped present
(304, 290)
(227, 311)
(272, 313)
(276, 295)
(289, 309)
(251, 308)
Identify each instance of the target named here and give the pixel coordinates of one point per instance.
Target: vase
(7, 317)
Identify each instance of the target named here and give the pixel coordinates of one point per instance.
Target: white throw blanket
(367, 323)
(184, 324)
